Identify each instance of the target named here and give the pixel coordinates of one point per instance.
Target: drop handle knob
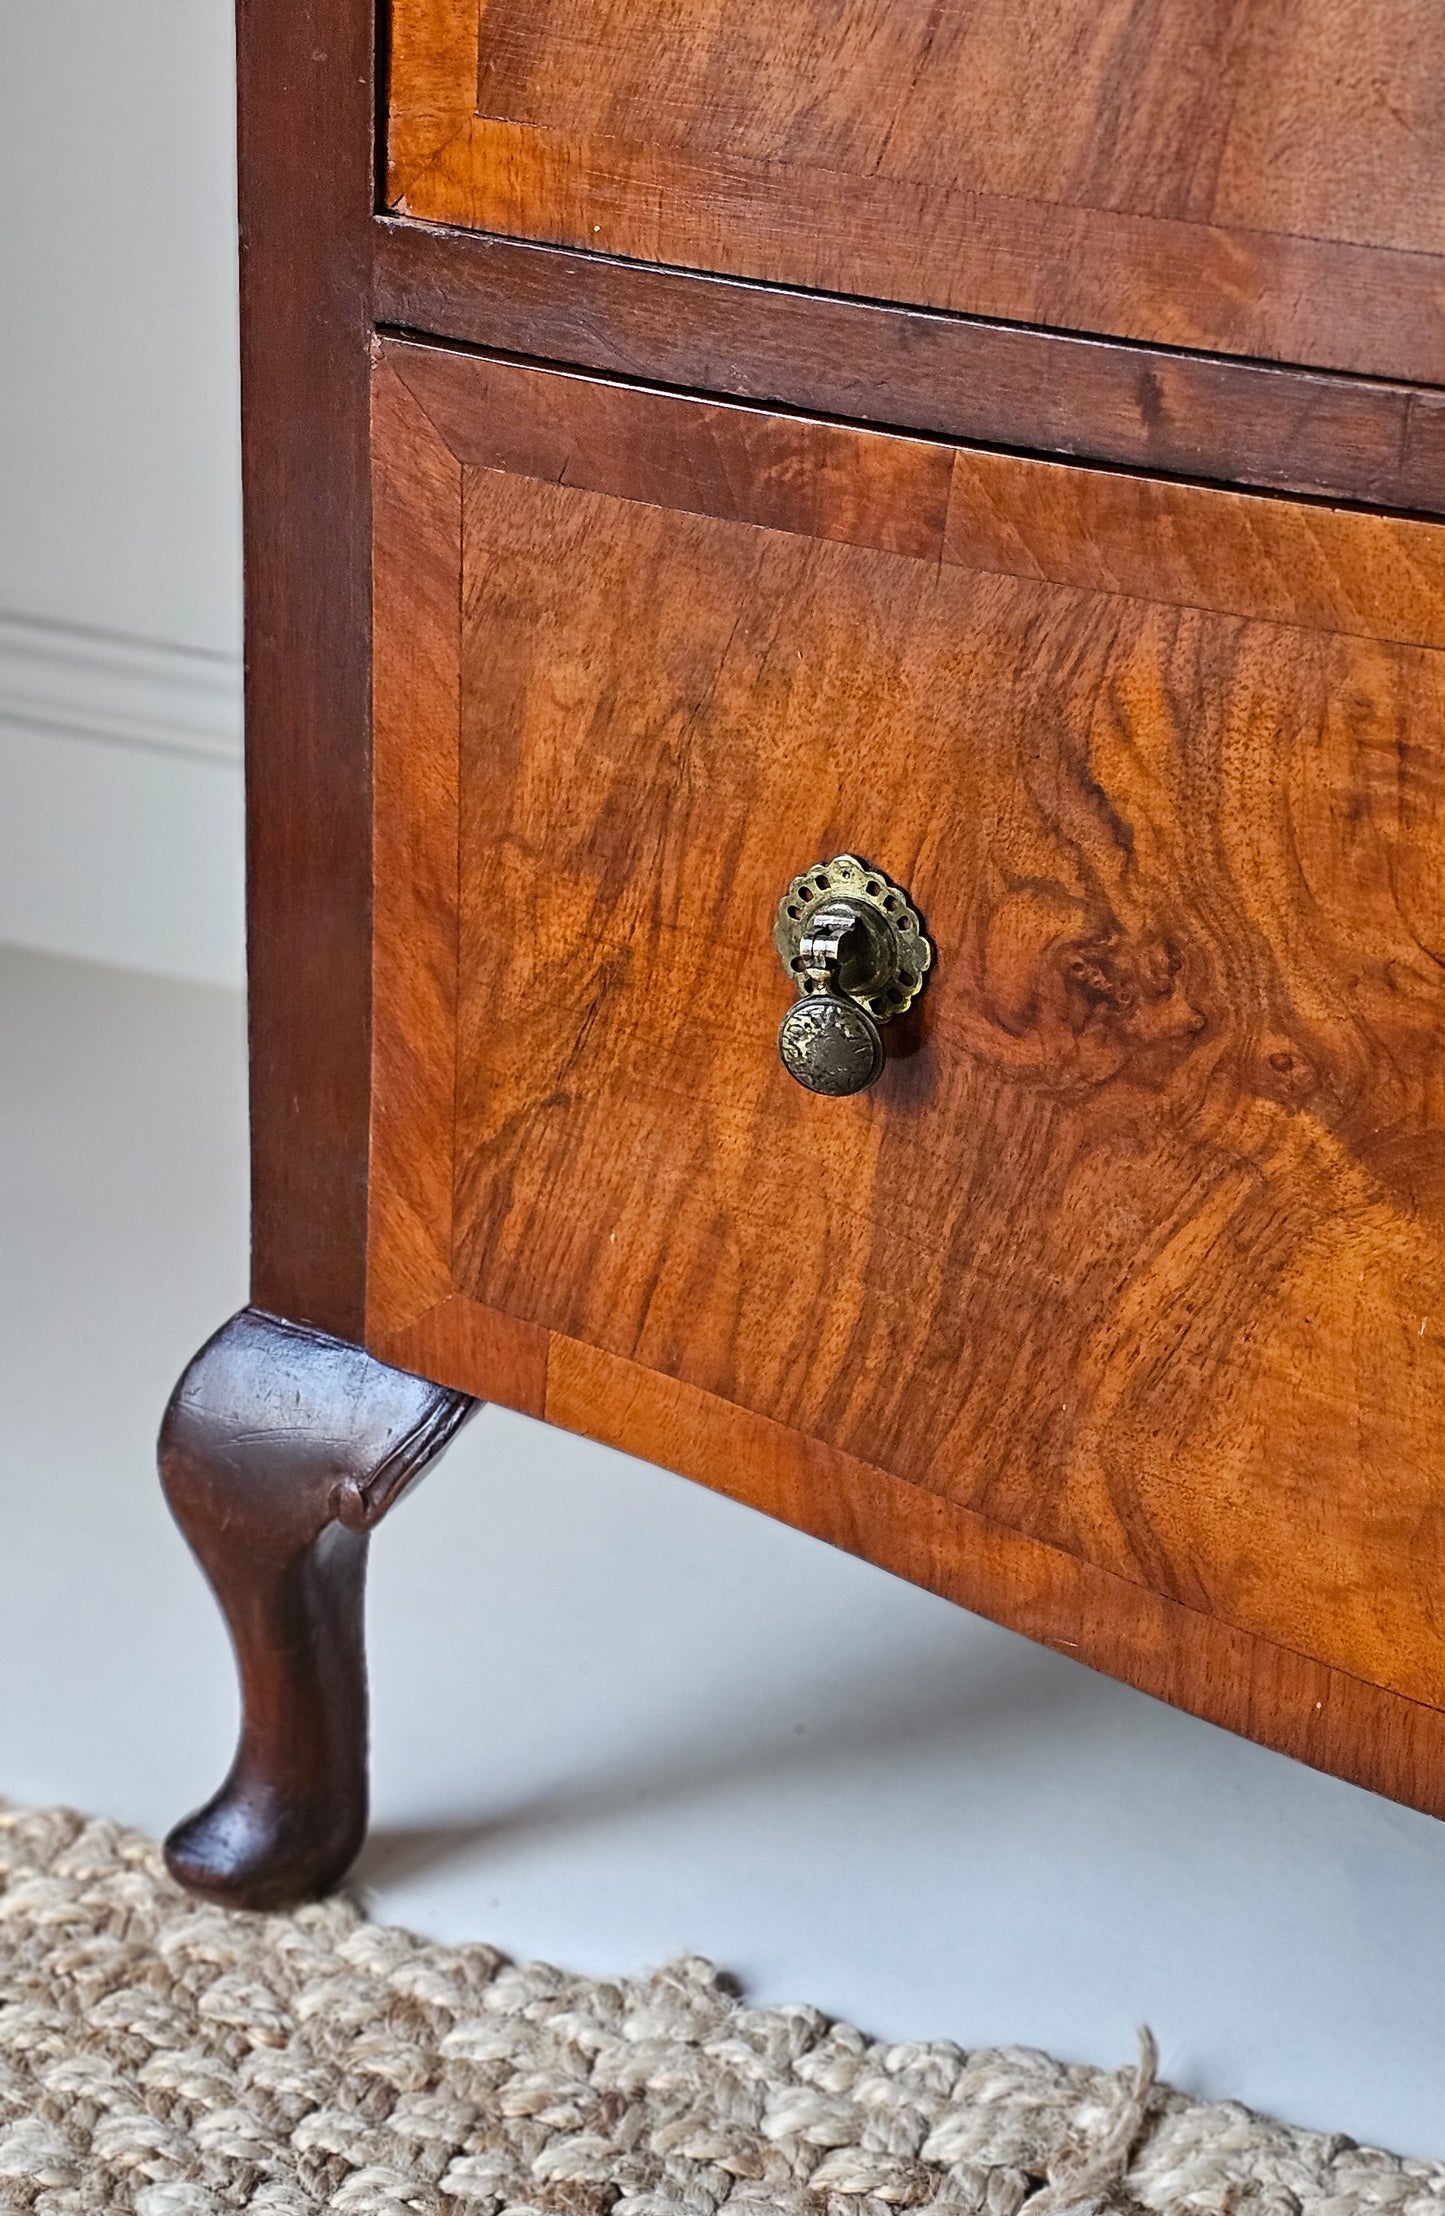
(853, 946)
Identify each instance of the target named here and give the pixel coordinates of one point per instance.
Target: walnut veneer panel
(1270, 1693)
(416, 527)
(1258, 177)
(1135, 1249)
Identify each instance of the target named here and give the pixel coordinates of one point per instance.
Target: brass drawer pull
(853, 946)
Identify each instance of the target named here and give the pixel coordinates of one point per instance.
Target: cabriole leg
(280, 1450)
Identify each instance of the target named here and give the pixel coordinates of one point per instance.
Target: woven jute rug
(172, 2059)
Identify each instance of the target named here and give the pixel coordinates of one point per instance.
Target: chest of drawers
(731, 483)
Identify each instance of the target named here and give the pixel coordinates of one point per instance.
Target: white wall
(120, 791)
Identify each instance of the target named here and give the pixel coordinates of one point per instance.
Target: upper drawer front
(1258, 177)
(1137, 1243)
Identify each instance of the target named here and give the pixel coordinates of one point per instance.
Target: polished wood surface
(1277, 561)
(416, 704)
(1048, 392)
(1241, 176)
(1235, 1678)
(1134, 1248)
(281, 1450)
(305, 110)
(1287, 1701)
(1111, 1312)
(1189, 546)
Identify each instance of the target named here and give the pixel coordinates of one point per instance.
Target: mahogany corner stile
(682, 450)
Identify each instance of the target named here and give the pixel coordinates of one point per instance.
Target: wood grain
(305, 104)
(1265, 1692)
(435, 48)
(1249, 179)
(1162, 1647)
(416, 707)
(1113, 1311)
(280, 1452)
(501, 1359)
(1135, 1247)
(1237, 422)
(788, 473)
(1277, 561)
(1282, 561)
(1230, 1677)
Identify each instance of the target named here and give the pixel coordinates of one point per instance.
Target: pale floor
(616, 1718)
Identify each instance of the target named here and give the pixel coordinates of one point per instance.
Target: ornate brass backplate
(854, 947)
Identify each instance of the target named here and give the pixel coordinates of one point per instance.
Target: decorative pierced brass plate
(854, 947)
(874, 901)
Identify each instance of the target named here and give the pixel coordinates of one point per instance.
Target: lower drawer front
(1135, 1246)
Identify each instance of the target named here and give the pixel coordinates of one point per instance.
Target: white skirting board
(121, 822)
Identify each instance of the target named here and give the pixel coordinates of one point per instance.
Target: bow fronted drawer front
(1132, 1246)
(1258, 180)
